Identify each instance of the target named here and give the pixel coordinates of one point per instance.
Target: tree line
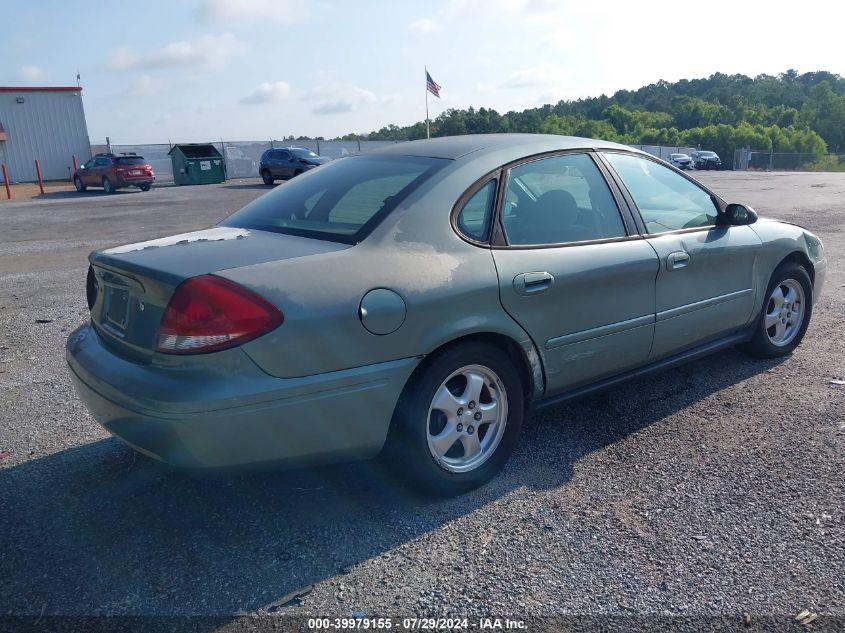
(790, 112)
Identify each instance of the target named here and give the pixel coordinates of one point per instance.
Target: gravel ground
(713, 490)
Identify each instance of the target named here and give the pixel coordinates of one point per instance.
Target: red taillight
(209, 313)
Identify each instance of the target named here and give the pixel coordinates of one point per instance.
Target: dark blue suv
(286, 162)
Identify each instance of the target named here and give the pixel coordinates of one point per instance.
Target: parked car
(113, 172)
(286, 163)
(706, 160)
(416, 301)
(681, 161)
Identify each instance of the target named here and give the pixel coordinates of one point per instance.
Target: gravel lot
(714, 490)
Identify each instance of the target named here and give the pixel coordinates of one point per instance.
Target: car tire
(77, 182)
(296, 173)
(144, 187)
(439, 404)
(267, 177)
(785, 314)
(107, 186)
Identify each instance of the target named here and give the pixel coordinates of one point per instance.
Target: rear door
(573, 271)
(101, 168)
(705, 285)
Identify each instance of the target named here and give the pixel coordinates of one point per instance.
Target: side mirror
(739, 215)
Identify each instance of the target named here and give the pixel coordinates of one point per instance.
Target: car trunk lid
(132, 284)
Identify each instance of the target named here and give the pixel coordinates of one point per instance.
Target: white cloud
(144, 86)
(475, 8)
(267, 92)
(30, 73)
(278, 11)
(206, 51)
(546, 75)
(424, 25)
(340, 98)
(556, 28)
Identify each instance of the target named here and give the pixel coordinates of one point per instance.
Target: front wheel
(77, 182)
(458, 420)
(785, 315)
(107, 186)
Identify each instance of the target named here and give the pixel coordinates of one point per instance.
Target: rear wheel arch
(528, 371)
(408, 444)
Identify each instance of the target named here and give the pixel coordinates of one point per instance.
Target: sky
(203, 70)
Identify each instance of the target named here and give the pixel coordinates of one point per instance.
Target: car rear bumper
(134, 181)
(225, 411)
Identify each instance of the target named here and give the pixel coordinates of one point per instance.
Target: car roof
(456, 147)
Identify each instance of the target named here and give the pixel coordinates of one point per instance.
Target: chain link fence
(767, 160)
(244, 157)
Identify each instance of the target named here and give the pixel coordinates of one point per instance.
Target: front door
(282, 164)
(88, 175)
(705, 285)
(574, 274)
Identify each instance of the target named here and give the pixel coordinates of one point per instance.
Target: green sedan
(418, 301)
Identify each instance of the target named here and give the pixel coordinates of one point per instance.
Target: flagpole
(427, 125)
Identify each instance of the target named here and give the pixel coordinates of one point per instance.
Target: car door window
(558, 200)
(282, 155)
(474, 217)
(666, 200)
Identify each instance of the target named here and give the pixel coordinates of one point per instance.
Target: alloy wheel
(785, 312)
(467, 418)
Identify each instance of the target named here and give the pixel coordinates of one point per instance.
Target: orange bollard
(38, 171)
(6, 180)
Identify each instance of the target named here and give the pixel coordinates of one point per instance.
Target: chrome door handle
(532, 283)
(676, 260)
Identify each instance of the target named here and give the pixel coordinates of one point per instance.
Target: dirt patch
(30, 190)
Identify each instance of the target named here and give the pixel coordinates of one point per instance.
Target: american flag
(432, 86)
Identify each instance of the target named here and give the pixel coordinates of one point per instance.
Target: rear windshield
(343, 201)
(707, 154)
(130, 160)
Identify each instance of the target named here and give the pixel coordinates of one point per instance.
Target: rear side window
(342, 201)
(666, 200)
(474, 217)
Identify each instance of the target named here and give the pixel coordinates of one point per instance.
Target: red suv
(113, 172)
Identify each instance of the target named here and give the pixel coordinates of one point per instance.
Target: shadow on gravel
(95, 193)
(257, 186)
(94, 530)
